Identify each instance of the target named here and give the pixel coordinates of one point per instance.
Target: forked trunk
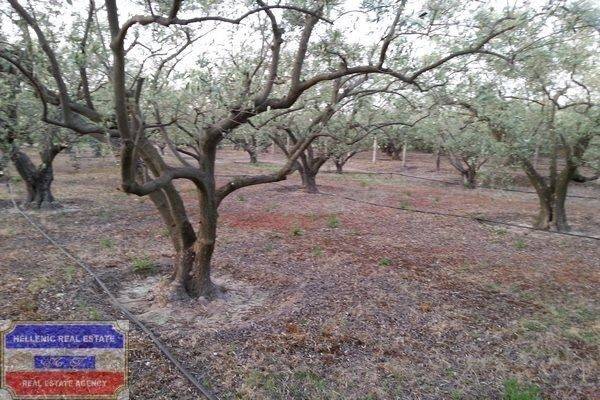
(39, 192)
(469, 177)
(38, 181)
(553, 212)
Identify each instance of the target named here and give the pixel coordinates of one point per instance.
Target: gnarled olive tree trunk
(308, 168)
(309, 179)
(38, 180)
(307, 164)
(193, 248)
(469, 178)
(552, 196)
(552, 192)
(341, 160)
(393, 150)
(467, 168)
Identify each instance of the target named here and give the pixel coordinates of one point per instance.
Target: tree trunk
(339, 167)
(38, 181)
(191, 275)
(309, 182)
(438, 160)
(560, 197)
(253, 157)
(41, 188)
(552, 198)
(193, 251)
(546, 214)
(469, 176)
(200, 283)
(560, 213)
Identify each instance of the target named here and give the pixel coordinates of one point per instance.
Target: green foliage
(333, 221)
(94, 314)
(143, 265)
(385, 262)
(107, 243)
(405, 205)
(38, 284)
(317, 251)
(520, 244)
(534, 326)
(70, 271)
(513, 390)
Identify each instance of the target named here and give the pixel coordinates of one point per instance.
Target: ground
(329, 298)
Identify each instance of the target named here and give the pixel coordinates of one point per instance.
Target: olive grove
(192, 74)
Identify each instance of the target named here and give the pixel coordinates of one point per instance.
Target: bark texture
(38, 180)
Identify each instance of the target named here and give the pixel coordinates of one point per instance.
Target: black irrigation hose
(467, 217)
(161, 346)
(575, 196)
(458, 184)
(477, 219)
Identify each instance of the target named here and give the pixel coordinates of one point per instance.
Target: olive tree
(18, 126)
(464, 140)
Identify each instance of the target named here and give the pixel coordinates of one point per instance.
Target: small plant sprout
(107, 243)
(143, 264)
(317, 251)
(385, 262)
(513, 390)
(333, 221)
(520, 244)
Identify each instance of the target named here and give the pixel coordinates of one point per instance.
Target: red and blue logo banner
(64, 360)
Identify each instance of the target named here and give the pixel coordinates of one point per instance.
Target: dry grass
(330, 299)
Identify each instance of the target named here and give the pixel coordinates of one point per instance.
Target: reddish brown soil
(330, 298)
